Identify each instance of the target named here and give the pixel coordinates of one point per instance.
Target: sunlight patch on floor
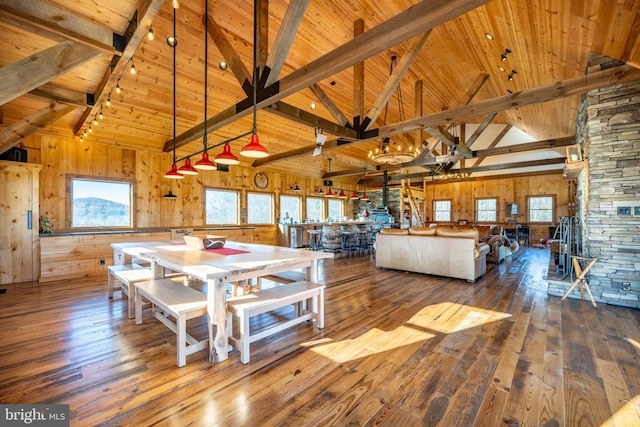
(442, 318)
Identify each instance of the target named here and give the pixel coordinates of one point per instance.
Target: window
(221, 207)
(541, 208)
(290, 208)
(315, 209)
(442, 210)
(259, 208)
(335, 209)
(100, 203)
(487, 210)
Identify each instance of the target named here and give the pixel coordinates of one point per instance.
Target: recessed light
(501, 68)
(313, 105)
(488, 36)
(223, 65)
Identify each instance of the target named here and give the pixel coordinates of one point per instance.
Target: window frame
(335, 200)
(553, 208)
(273, 207)
(223, 190)
(300, 210)
(323, 208)
(496, 212)
(69, 202)
(435, 211)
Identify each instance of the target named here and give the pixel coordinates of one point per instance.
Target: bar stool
(349, 240)
(315, 239)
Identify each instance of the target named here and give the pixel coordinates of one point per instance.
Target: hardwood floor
(399, 349)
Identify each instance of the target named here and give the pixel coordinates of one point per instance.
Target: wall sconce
(294, 187)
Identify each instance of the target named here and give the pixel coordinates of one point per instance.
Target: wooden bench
(247, 306)
(181, 302)
(126, 275)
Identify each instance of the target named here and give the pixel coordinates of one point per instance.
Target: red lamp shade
(227, 157)
(354, 196)
(364, 197)
(173, 173)
(205, 164)
(329, 193)
(187, 169)
(342, 195)
(254, 149)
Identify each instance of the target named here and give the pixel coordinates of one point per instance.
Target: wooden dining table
(235, 262)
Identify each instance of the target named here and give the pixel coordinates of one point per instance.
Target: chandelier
(394, 151)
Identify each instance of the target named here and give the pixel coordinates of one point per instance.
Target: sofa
(441, 251)
(500, 246)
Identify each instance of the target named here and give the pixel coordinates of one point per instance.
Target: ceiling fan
(320, 140)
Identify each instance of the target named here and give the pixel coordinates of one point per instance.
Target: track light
(503, 57)
(510, 76)
(150, 35)
(133, 67)
(109, 100)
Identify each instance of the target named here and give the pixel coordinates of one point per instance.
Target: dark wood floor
(399, 349)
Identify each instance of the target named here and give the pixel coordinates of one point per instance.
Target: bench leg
(138, 305)
(244, 338)
(181, 334)
(131, 303)
(110, 284)
(319, 308)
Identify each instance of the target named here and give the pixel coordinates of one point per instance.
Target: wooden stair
(415, 211)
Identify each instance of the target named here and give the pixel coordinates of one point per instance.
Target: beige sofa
(440, 251)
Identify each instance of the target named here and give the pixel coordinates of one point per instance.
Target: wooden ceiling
(59, 54)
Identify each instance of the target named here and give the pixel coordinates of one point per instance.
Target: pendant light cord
(206, 68)
(255, 62)
(174, 89)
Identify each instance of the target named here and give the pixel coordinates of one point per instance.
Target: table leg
(217, 315)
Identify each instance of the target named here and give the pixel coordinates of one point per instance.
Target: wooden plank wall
(464, 194)
(61, 156)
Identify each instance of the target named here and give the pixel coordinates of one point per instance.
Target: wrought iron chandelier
(394, 151)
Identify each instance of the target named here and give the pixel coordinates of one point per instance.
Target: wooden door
(19, 221)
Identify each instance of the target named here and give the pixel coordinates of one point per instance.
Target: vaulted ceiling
(62, 61)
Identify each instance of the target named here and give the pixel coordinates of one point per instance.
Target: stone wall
(609, 128)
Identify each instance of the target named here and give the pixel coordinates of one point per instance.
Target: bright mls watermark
(34, 415)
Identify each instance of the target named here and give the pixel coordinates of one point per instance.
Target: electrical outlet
(624, 210)
(101, 261)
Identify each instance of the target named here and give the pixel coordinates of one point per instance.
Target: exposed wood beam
(230, 55)
(331, 107)
(300, 116)
(286, 33)
(358, 79)
(261, 14)
(448, 139)
(61, 94)
(569, 87)
(493, 144)
(415, 20)
(136, 32)
(485, 123)
(27, 74)
(394, 79)
(529, 146)
(57, 24)
(12, 135)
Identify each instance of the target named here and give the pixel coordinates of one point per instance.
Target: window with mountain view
(100, 203)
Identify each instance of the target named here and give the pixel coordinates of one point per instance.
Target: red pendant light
(187, 169)
(364, 197)
(354, 196)
(254, 149)
(205, 164)
(342, 195)
(329, 193)
(173, 173)
(227, 157)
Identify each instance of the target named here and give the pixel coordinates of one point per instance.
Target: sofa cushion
(482, 249)
(452, 232)
(423, 231)
(394, 231)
